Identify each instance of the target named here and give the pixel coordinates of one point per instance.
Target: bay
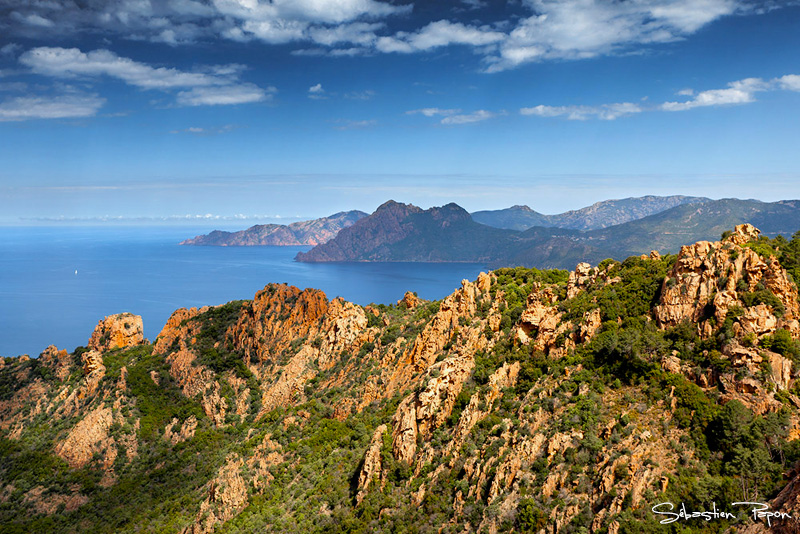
(56, 283)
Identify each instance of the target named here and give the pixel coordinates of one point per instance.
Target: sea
(56, 283)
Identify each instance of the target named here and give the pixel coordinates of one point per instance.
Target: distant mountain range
(599, 215)
(312, 232)
(402, 232)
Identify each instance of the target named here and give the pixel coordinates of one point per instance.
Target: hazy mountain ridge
(313, 232)
(525, 400)
(446, 234)
(597, 216)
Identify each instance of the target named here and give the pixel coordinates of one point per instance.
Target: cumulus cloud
(606, 112)
(739, 92)
(547, 29)
(186, 21)
(358, 33)
(325, 22)
(575, 29)
(790, 82)
(218, 86)
(58, 107)
(438, 34)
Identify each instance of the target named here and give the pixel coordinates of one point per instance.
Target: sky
(234, 111)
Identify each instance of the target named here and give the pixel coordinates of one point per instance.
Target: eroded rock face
(459, 307)
(60, 361)
(542, 323)
(117, 332)
(90, 435)
(409, 299)
(580, 278)
(177, 433)
(372, 463)
(708, 279)
(421, 413)
(227, 496)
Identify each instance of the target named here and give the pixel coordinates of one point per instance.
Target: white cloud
(245, 93)
(575, 29)
(70, 62)
(316, 92)
(348, 52)
(218, 86)
(316, 11)
(739, 92)
(359, 33)
(323, 21)
(438, 34)
(58, 107)
(477, 116)
(790, 82)
(580, 113)
(431, 112)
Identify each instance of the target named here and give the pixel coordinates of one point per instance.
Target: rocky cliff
(526, 401)
(313, 232)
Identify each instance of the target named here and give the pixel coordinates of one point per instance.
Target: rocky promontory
(313, 232)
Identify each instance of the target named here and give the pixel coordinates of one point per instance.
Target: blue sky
(235, 111)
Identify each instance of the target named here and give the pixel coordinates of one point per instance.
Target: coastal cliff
(526, 401)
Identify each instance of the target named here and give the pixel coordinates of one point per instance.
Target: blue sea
(56, 283)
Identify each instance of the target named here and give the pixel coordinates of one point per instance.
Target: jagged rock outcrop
(60, 361)
(175, 432)
(372, 467)
(86, 438)
(420, 413)
(708, 279)
(459, 307)
(541, 320)
(227, 495)
(116, 332)
(409, 299)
